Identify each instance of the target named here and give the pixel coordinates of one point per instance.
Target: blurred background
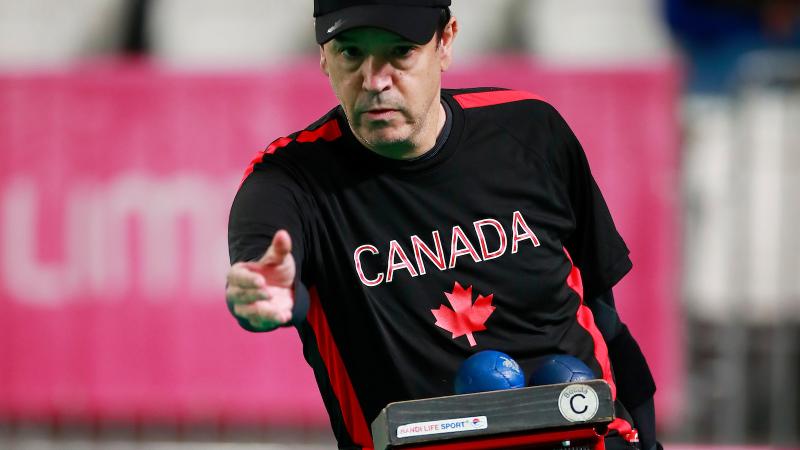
(125, 127)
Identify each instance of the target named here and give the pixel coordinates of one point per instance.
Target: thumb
(279, 249)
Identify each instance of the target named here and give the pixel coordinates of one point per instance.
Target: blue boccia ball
(554, 369)
(488, 370)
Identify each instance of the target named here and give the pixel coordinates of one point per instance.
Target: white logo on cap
(336, 26)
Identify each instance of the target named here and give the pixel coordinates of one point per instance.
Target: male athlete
(412, 226)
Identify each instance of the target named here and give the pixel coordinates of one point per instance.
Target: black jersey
(412, 266)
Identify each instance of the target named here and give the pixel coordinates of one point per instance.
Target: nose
(377, 75)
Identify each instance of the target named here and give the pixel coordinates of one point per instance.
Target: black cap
(415, 20)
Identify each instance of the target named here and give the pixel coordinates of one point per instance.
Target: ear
(323, 61)
(446, 46)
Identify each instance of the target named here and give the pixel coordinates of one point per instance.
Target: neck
(430, 132)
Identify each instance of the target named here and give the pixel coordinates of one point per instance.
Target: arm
(266, 242)
(635, 384)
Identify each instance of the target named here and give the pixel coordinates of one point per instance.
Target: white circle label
(578, 403)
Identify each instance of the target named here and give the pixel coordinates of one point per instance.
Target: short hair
(444, 19)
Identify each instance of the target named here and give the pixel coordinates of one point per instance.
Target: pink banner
(115, 184)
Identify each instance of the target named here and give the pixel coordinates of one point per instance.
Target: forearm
(644, 416)
(635, 384)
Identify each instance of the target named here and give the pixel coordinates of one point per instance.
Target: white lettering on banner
(442, 426)
(98, 258)
(460, 245)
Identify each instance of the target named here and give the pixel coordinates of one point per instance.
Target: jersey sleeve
(269, 200)
(594, 244)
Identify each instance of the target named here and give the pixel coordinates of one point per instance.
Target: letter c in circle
(572, 404)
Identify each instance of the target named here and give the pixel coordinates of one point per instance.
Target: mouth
(380, 113)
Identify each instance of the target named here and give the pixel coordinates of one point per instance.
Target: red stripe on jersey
(354, 419)
(489, 98)
(259, 156)
(276, 144)
(329, 131)
(586, 320)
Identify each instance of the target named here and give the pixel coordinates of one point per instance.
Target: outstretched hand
(262, 291)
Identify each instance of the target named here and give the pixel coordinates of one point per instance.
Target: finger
(235, 294)
(264, 312)
(280, 247)
(242, 276)
(277, 275)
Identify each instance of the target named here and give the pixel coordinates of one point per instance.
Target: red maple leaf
(465, 317)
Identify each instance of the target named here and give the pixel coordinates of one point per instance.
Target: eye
(401, 51)
(351, 52)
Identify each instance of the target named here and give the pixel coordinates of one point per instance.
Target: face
(389, 87)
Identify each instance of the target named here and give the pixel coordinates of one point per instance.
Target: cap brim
(415, 23)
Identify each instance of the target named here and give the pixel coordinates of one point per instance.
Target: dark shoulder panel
(524, 115)
(514, 109)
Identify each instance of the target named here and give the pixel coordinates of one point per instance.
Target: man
(412, 226)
